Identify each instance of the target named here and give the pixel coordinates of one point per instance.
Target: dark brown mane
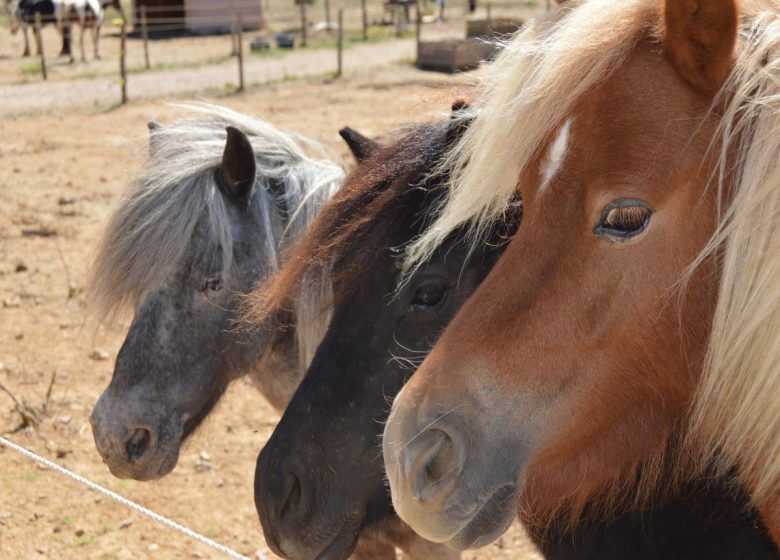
(392, 184)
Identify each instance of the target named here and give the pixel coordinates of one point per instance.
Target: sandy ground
(59, 173)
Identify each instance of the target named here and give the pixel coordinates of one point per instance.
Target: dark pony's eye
(429, 295)
(623, 219)
(211, 284)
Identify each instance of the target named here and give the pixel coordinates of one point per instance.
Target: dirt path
(21, 98)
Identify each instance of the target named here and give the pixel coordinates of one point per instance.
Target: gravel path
(104, 91)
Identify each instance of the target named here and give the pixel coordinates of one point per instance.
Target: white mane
(153, 223)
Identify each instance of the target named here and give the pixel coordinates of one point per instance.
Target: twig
(67, 271)
(29, 416)
(45, 407)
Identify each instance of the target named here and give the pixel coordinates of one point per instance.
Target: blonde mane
(526, 95)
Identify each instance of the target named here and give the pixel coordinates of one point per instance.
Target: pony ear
(459, 121)
(154, 141)
(237, 174)
(361, 146)
(700, 40)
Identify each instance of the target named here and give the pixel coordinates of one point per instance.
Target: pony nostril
(441, 458)
(138, 444)
(432, 463)
(293, 499)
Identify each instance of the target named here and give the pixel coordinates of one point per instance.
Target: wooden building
(197, 16)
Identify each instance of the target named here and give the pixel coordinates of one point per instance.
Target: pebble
(202, 466)
(80, 532)
(205, 456)
(99, 355)
(152, 547)
(125, 524)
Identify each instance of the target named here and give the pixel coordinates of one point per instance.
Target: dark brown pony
(627, 343)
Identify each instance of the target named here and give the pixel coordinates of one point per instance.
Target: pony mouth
(489, 521)
(342, 545)
(337, 546)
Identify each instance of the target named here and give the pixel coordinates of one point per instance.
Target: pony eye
(429, 295)
(211, 284)
(623, 219)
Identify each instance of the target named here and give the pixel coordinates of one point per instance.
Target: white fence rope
(124, 501)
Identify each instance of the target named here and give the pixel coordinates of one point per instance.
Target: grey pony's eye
(211, 284)
(623, 219)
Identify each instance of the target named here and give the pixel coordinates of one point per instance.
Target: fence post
(39, 40)
(122, 64)
(417, 30)
(327, 15)
(488, 7)
(240, 44)
(365, 19)
(145, 35)
(340, 42)
(304, 24)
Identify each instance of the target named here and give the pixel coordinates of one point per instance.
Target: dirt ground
(59, 173)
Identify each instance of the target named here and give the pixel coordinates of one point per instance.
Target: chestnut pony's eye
(211, 284)
(622, 219)
(428, 296)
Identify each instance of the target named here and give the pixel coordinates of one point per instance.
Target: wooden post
(397, 13)
(365, 19)
(340, 42)
(240, 43)
(327, 15)
(39, 39)
(304, 24)
(417, 30)
(122, 62)
(145, 35)
(488, 7)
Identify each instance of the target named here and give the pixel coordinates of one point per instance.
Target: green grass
(84, 539)
(211, 532)
(32, 69)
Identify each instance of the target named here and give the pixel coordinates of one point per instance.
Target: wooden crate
(490, 29)
(452, 55)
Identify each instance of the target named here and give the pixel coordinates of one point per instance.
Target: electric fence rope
(124, 501)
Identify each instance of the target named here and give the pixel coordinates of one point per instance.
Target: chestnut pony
(627, 343)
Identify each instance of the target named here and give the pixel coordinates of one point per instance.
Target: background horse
(87, 14)
(23, 16)
(626, 344)
(319, 467)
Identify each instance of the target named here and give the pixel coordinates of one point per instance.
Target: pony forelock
(526, 94)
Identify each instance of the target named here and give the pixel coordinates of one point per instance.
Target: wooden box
(452, 55)
(490, 29)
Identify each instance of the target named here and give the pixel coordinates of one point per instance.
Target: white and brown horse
(628, 341)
